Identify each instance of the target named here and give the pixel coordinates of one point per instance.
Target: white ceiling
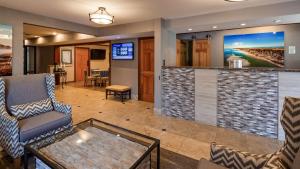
(128, 11)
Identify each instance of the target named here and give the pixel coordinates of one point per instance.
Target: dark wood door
(146, 69)
(201, 53)
(81, 62)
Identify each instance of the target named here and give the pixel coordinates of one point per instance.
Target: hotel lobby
(150, 84)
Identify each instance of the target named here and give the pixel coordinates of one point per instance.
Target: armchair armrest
(9, 133)
(235, 159)
(62, 108)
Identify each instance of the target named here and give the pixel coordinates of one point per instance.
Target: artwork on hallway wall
(255, 50)
(66, 56)
(5, 50)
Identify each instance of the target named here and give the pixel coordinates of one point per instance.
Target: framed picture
(66, 56)
(255, 50)
(5, 50)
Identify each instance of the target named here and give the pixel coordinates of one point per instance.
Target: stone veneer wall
(248, 101)
(178, 92)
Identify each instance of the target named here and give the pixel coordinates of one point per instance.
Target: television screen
(123, 51)
(98, 54)
(255, 50)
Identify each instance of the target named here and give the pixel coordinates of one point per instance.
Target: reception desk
(248, 99)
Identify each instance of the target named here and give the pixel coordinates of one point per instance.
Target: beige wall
(125, 72)
(99, 64)
(18, 18)
(291, 33)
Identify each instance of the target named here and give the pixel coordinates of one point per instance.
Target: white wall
(70, 68)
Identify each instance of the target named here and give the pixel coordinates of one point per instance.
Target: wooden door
(57, 55)
(146, 69)
(181, 53)
(81, 62)
(201, 53)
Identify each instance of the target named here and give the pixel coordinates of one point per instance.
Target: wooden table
(118, 90)
(58, 75)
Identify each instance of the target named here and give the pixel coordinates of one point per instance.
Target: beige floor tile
(181, 136)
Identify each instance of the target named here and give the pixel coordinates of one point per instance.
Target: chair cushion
(31, 109)
(274, 162)
(290, 120)
(118, 88)
(205, 164)
(296, 164)
(25, 89)
(235, 159)
(41, 124)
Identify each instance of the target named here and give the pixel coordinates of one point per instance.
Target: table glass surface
(93, 144)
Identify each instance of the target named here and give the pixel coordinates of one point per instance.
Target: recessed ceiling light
(190, 29)
(235, 0)
(243, 24)
(215, 27)
(276, 20)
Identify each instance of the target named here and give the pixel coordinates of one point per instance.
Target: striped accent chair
(29, 111)
(288, 157)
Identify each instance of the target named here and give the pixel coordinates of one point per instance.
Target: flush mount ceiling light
(276, 20)
(190, 29)
(101, 16)
(235, 0)
(215, 27)
(243, 24)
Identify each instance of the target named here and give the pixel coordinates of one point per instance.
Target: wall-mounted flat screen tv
(98, 54)
(123, 51)
(255, 50)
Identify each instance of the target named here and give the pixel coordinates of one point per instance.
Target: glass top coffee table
(94, 144)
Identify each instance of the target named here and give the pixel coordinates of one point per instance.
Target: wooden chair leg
(17, 163)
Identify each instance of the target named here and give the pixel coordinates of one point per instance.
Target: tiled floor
(184, 137)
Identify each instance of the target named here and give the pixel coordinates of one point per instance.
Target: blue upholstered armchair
(29, 111)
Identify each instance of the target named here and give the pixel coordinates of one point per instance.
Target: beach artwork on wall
(5, 50)
(255, 50)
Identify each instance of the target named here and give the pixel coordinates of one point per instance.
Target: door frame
(139, 65)
(25, 58)
(75, 61)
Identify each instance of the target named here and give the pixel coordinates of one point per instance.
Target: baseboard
(134, 97)
(157, 111)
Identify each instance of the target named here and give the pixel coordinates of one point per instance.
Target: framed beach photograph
(5, 50)
(255, 50)
(66, 56)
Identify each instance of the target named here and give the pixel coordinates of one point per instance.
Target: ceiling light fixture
(54, 33)
(101, 16)
(190, 29)
(235, 0)
(215, 27)
(243, 24)
(276, 20)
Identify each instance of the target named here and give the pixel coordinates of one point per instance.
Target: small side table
(60, 78)
(118, 90)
